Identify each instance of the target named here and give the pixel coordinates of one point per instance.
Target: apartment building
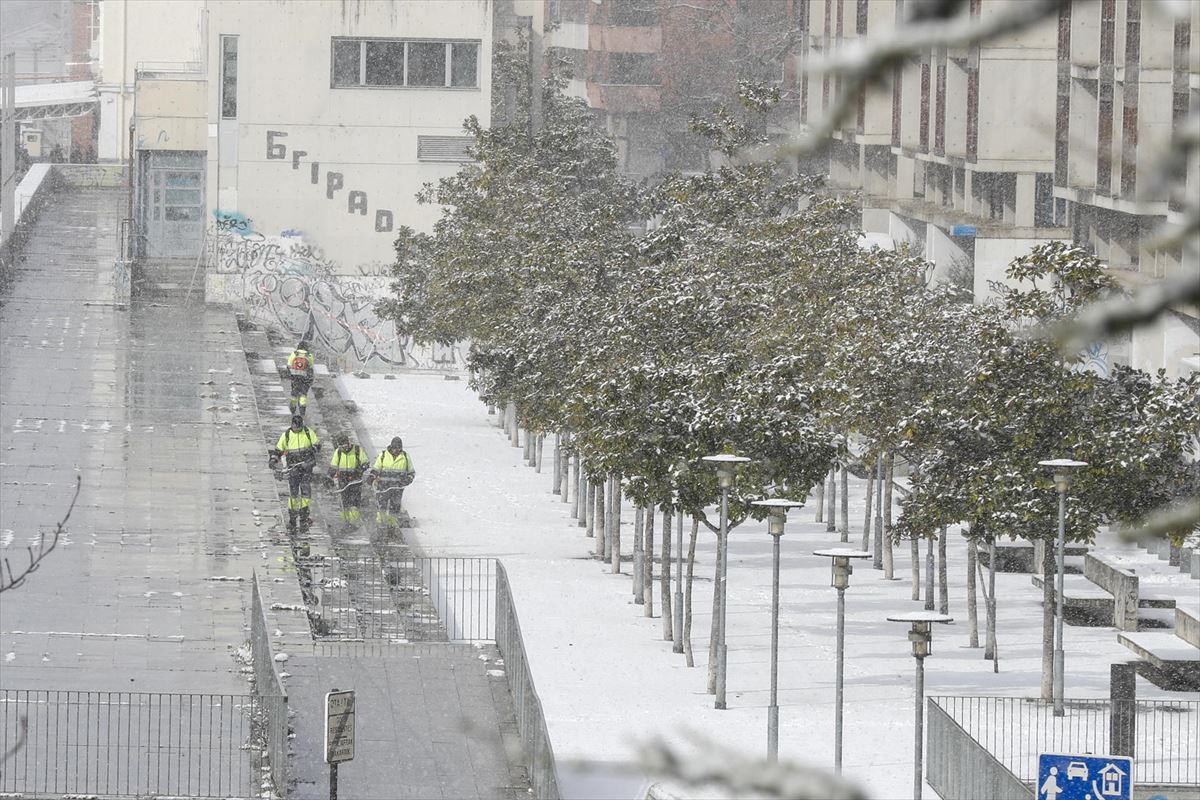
(975, 155)
(648, 66)
(1126, 78)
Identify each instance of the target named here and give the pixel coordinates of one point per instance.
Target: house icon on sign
(1111, 778)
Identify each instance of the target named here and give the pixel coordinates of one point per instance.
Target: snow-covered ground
(606, 678)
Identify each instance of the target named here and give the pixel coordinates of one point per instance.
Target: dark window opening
(229, 54)
(636, 69)
(384, 63)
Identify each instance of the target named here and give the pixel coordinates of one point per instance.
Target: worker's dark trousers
(299, 494)
(298, 403)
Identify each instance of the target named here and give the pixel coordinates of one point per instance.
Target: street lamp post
(726, 469)
(840, 580)
(1063, 469)
(776, 519)
(921, 636)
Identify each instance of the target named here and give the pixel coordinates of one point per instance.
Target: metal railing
(531, 722)
(1162, 736)
(272, 699)
(960, 768)
(410, 600)
(123, 744)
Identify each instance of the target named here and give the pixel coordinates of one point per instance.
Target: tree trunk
(639, 519)
(648, 565)
(716, 613)
(820, 500)
(614, 541)
(866, 537)
(972, 612)
(888, 558)
(556, 481)
(877, 554)
(541, 441)
(575, 504)
(1048, 622)
(943, 585)
(914, 546)
(598, 523)
(581, 494)
(689, 659)
(991, 606)
(665, 579)
(564, 477)
(929, 563)
(831, 496)
(844, 518)
(590, 508)
(527, 452)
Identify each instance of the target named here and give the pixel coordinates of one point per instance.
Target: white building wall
(133, 33)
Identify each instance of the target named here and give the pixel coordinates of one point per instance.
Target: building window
(633, 13)
(417, 63)
(634, 69)
(229, 54)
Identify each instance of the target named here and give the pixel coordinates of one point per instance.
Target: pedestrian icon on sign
(1084, 777)
(1050, 789)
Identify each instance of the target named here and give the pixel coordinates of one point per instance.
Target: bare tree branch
(13, 580)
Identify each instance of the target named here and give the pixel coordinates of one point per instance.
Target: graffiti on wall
(289, 283)
(333, 182)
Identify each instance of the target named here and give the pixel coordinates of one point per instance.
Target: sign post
(339, 733)
(1084, 777)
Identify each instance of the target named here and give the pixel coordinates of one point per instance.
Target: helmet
(304, 344)
(297, 419)
(396, 442)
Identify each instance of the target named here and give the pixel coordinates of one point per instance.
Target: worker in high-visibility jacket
(298, 447)
(393, 470)
(300, 370)
(347, 468)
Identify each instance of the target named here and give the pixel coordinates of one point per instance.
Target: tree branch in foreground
(13, 580)
(740, 776)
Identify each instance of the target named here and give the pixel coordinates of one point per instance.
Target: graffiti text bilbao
(356, 200)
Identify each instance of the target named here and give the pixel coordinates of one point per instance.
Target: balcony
(623, 98)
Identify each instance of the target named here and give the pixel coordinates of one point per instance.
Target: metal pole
(333, 781)
(677, 645)
(1058, 603)
(722, 563)
(837, 711)
(773, 710)
(920, 737)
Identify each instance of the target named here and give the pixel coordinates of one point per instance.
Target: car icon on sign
(1077, 769)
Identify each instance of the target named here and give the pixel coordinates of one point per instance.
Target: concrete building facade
(975, 155)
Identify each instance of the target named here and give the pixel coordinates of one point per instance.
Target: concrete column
(1026, 183)
(1123, 722)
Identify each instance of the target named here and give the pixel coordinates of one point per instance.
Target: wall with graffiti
(289, 283)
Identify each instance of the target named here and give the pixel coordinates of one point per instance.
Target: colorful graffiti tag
(287, 282)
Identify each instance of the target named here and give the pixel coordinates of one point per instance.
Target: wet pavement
(154, 407)
(150, 406)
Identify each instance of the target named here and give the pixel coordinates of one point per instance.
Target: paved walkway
(150, 406)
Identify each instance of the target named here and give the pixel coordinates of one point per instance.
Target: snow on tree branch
(740, 776)
(14, 580)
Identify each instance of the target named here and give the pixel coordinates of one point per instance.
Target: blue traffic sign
(1064, 777)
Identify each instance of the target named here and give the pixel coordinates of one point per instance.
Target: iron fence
(411, 600)
(123, 744)
(272, 699)
(531, 722)
(1162, 736)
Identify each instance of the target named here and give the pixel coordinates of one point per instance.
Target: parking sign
(1084, 777)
